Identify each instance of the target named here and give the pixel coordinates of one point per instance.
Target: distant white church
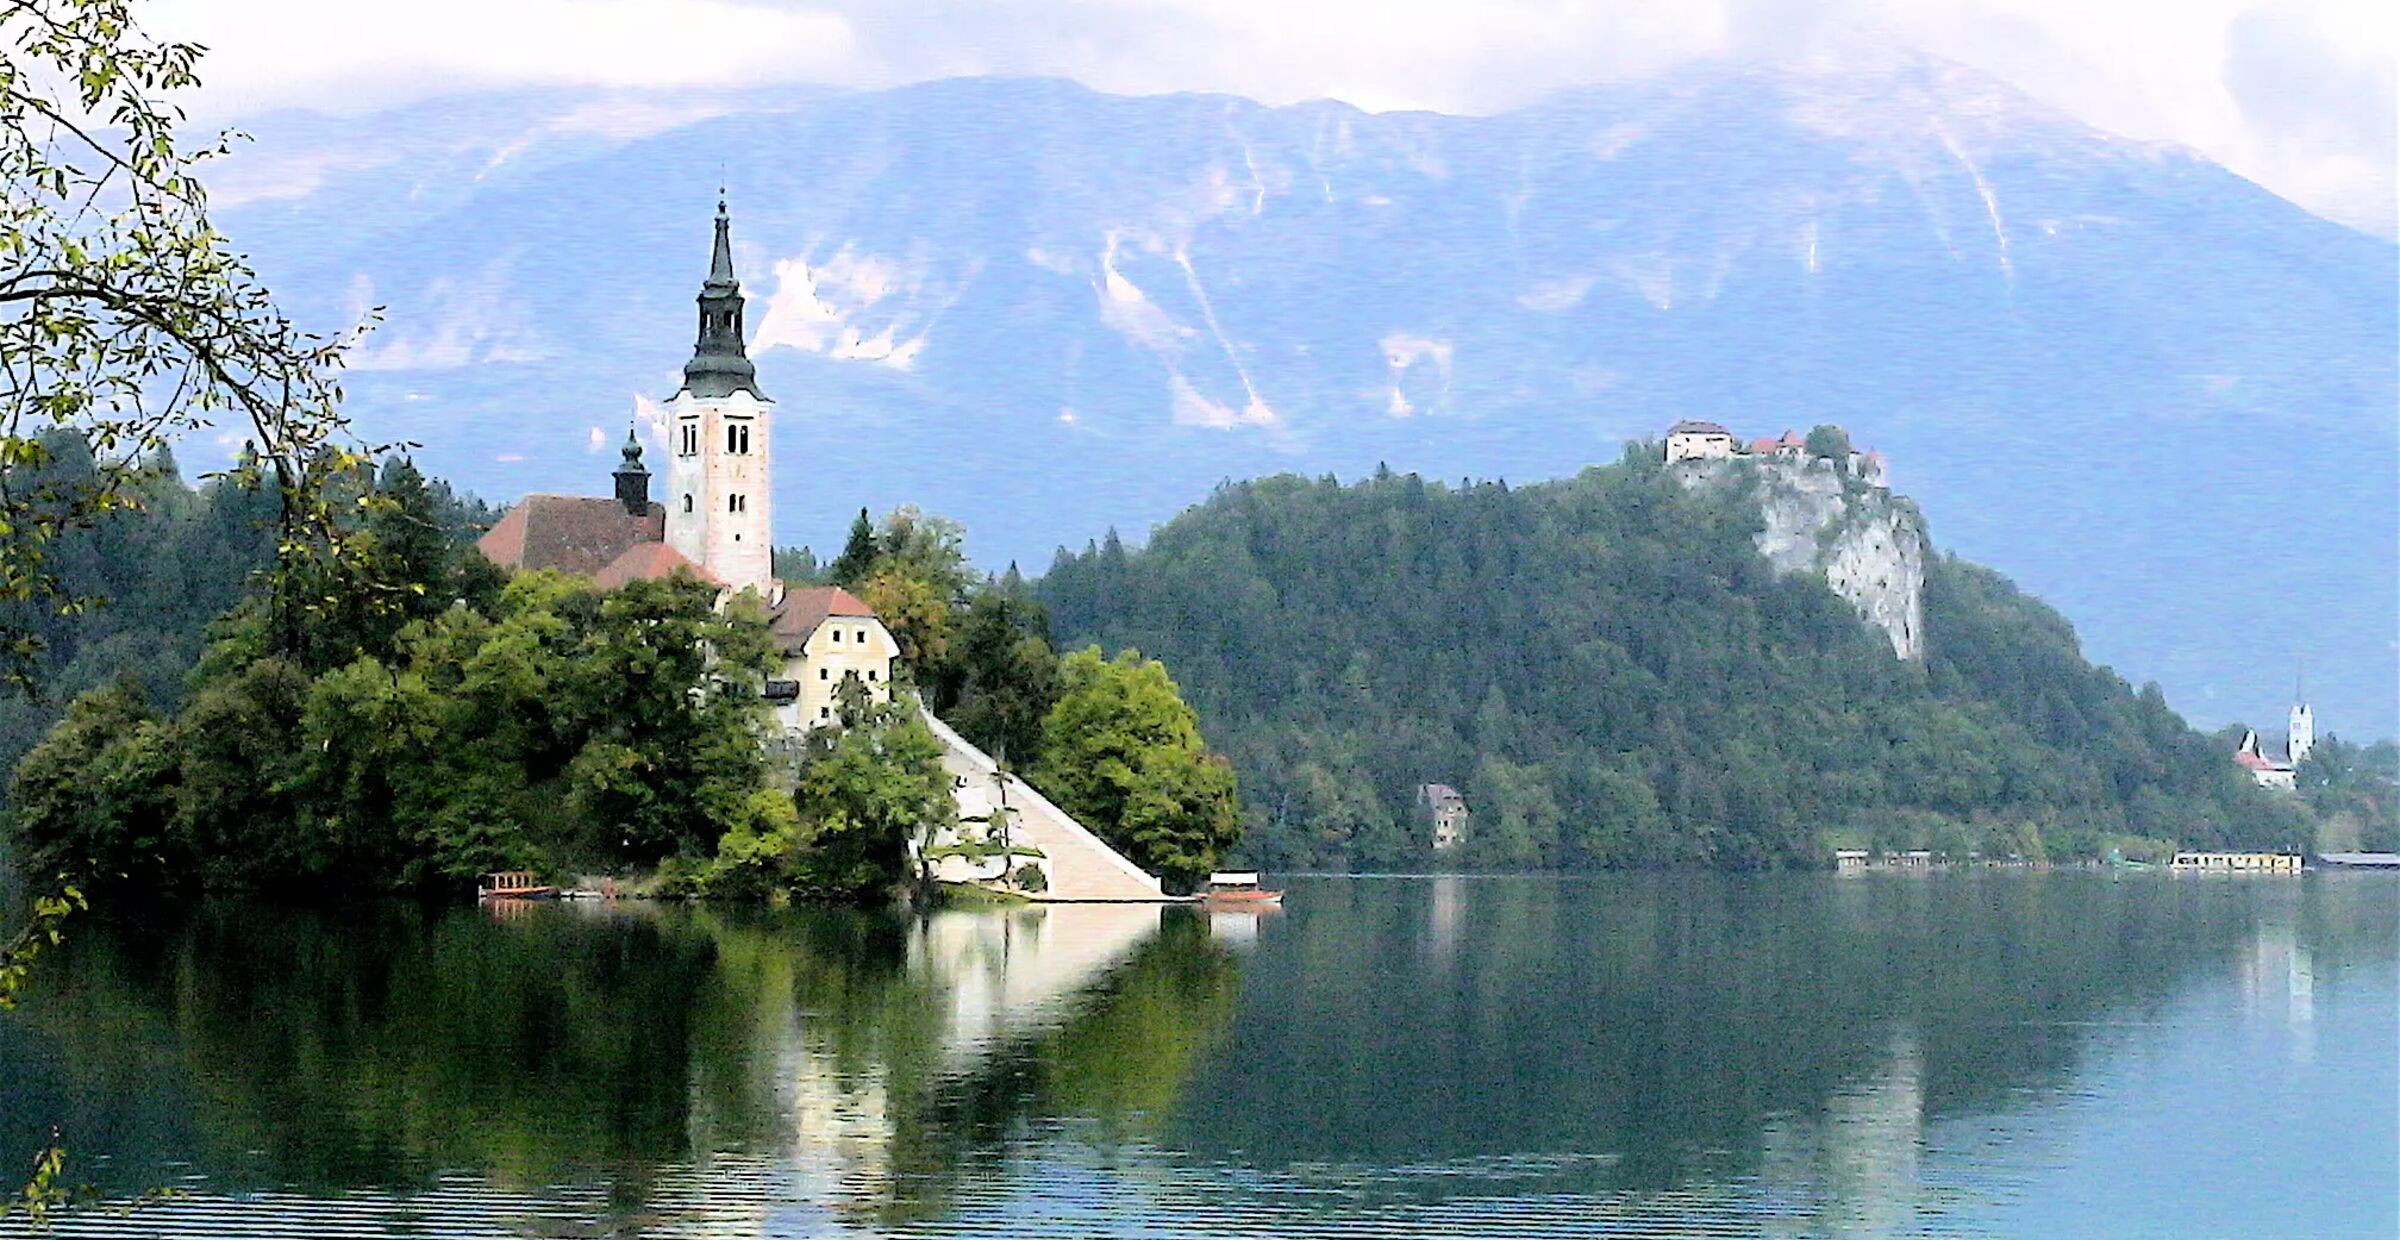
(2275, 764)
(716, 525)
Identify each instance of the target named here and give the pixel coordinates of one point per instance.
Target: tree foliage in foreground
(1614, 676)
(126, 320)
(1122, 752)
(555, 727)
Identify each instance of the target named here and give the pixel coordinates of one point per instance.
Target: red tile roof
(798, 616)
(645, 562)
(570, 533)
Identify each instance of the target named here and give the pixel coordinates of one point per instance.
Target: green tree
(1517, 818)
(129, 319)
(871, 792)
(238, 765)
(858, 554)
(1616, 644)
(92, 802)
(1001, 678)
(662, 688)
(1122, 752)
(1830, 443)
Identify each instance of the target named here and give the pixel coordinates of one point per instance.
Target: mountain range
(2153, 393)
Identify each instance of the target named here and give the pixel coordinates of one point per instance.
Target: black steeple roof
(633, 478)
(719, 365)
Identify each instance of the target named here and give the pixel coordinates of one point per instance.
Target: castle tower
(2304, 732)
(718, 505)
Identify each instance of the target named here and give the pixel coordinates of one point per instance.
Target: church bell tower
(718, 426)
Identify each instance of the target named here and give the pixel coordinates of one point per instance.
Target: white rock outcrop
(1866, 543)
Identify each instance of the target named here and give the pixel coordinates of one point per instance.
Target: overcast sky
(2296, 94)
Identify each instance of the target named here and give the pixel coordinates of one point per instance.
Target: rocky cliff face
(1868, 544)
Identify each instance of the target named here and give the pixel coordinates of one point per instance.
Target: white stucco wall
(1691, 446)
(842, 645)
(719, 507)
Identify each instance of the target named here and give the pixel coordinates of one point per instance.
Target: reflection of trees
(1121, 1061)
(384, 1044)
(1652, 1032)
(1673, 1022)
(573, 1044)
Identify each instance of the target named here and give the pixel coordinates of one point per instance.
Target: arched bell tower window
(687, 503)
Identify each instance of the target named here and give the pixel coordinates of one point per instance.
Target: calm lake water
(1984, 1054)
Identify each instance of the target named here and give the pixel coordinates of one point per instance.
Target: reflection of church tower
(718, 480)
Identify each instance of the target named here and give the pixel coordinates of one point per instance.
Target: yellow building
(825, 635)
(1693, 441)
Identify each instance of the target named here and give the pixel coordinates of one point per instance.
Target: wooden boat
(513, 885)
(1238, 888)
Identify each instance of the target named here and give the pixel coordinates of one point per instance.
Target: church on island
(714, 523)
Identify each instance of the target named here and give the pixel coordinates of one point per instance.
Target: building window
(824, 712)
(862, 635)
(687, 503)
(824, 673)
(870, 673)
(837, 636)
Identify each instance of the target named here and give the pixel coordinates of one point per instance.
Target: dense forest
(1610, 672)
(1604, 665)
(147, 578)
(405, 717)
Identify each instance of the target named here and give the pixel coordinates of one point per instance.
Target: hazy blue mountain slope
(2159, 397)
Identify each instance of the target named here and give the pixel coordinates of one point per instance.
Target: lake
(1950, 1054)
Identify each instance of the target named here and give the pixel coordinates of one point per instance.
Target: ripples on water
(1954, 1055)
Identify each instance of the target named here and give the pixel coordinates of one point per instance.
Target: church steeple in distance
(719, 365)
(633, 477)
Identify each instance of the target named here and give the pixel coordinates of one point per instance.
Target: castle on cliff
(1692, 440)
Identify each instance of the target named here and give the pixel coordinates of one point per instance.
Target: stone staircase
(1080, 867)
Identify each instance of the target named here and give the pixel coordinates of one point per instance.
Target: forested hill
(1612, 673)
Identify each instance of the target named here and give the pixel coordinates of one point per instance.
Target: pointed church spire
(720, 366)
(720, 256)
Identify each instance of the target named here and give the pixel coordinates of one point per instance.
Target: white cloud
(1561, 294)
(1193, 409)
(821, 308)
(1401, 352)
(2297, 94)
(353, 57)
(454, 322)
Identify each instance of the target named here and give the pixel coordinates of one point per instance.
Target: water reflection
(247, 1048)
(1797, 1056)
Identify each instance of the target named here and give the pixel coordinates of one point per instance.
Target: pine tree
(858, 556)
